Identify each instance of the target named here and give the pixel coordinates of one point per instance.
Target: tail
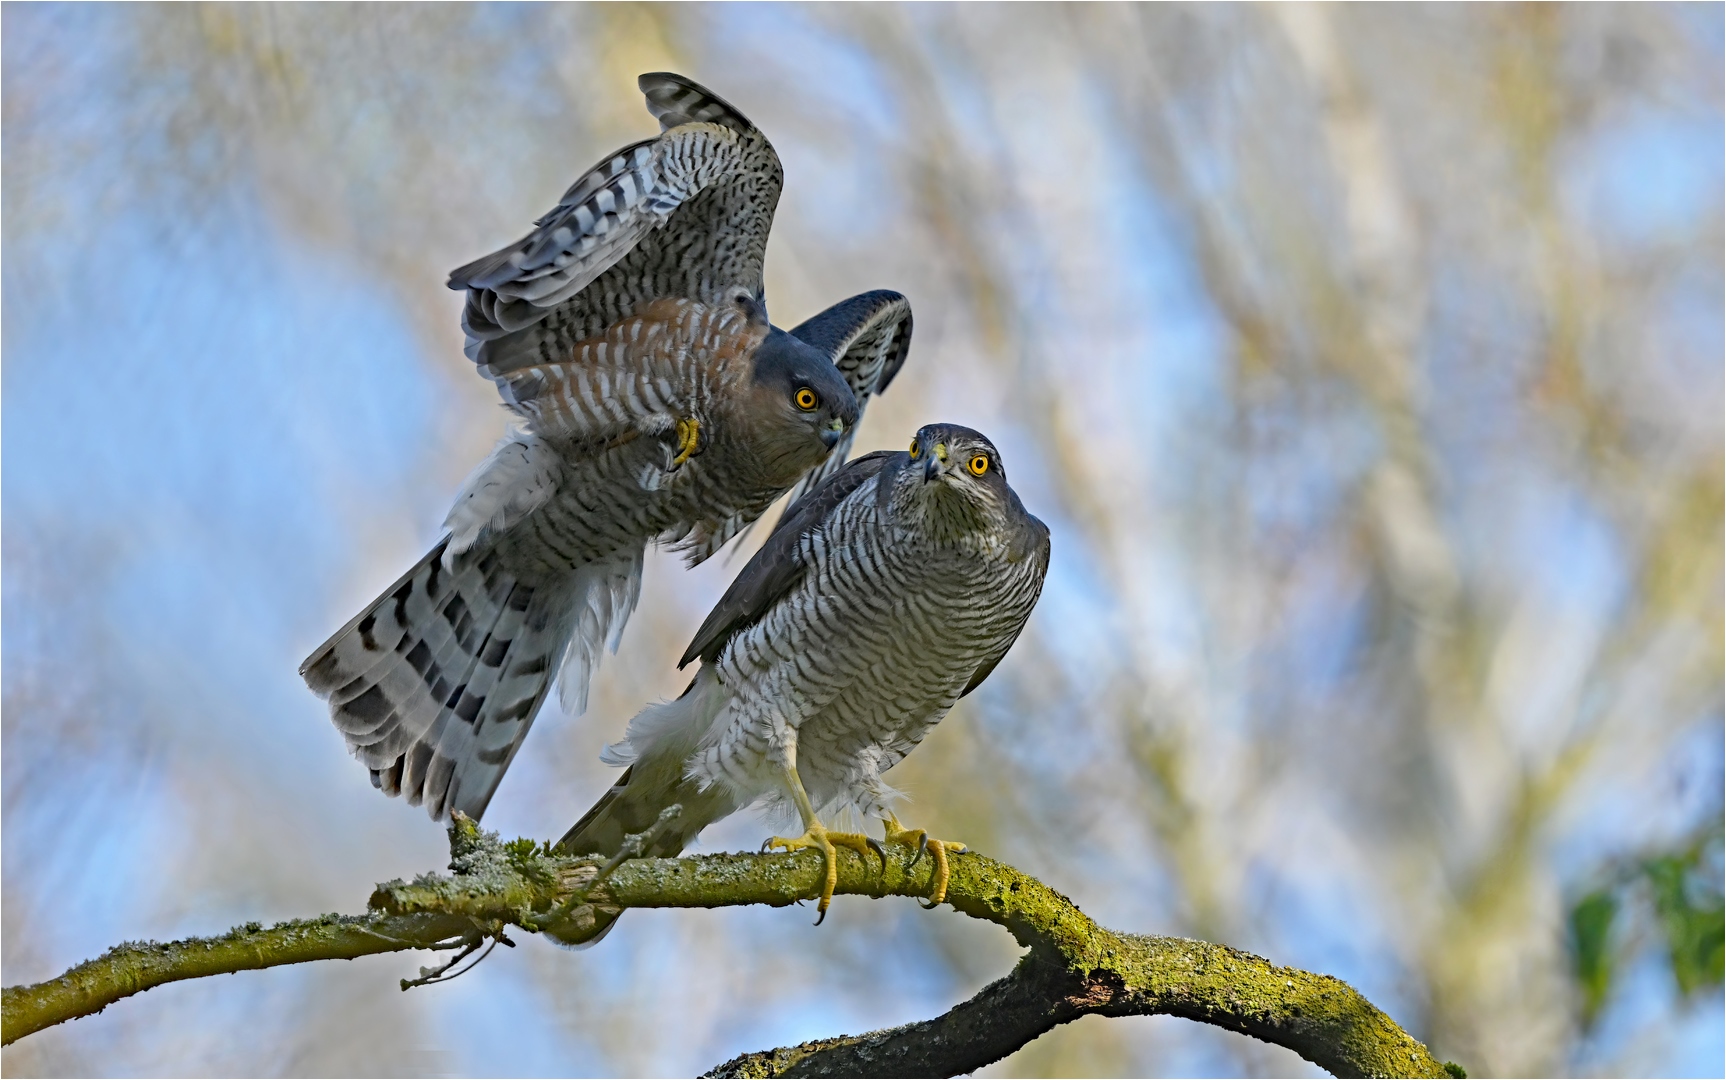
(659, 740)
(435, 684)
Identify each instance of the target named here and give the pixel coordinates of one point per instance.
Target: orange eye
(979, 465)
(913, 449)
(806, 399)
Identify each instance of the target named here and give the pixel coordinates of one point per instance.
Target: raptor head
(802, 405)
(952, 480)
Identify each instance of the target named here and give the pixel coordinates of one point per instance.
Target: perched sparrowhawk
(880, 599)
(629, 335)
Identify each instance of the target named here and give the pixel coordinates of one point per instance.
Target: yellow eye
(979, 465)
(913, 449)
(806, 399)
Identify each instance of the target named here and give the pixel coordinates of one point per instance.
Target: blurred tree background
(1366, 363)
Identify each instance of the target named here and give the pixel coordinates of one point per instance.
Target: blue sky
(219, 434)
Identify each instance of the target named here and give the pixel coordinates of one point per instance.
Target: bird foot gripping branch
(1074, 967)
(922, 842)
(817, 836)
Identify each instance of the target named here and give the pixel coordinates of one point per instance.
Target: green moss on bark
(134, 967)
(1073, 967)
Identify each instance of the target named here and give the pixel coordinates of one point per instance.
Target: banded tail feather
(435, 684)
(656, 748)
(632, 806)
(658, 742)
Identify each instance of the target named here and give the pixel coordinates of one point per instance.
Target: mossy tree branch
(1074, 967)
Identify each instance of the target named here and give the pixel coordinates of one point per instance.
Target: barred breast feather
(850, 634)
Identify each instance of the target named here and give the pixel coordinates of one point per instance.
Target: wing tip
(837, 327)
(675, 100)
(901, 349)
(479, 273)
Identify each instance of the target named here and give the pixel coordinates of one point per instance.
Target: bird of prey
(628, 333)
(880, 599)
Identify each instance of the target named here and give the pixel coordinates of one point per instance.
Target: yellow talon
(688, 438)
(818, 837)
(922, 841)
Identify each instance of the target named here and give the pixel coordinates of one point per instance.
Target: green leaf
(1591, 947)
(1687, 900)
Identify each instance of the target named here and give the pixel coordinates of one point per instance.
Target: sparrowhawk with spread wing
(881, 598)
(628, 333)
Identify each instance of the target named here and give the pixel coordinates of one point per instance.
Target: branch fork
(1072, 968)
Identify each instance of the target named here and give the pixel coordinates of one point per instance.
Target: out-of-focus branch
(1074, 966)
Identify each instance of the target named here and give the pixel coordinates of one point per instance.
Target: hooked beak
(933, 461)
(833, 432)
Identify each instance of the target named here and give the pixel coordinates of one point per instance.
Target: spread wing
(683, 215)
(867, 337)
(778, 566)
(637, 378)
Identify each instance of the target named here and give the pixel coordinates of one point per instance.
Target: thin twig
(429, 976)
(436, 946)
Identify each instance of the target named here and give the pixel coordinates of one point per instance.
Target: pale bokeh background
(1365, 362)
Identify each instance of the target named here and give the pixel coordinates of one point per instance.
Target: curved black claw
(917, 858)
(821, 918)
(764, 846)
(926, 906)
(879, 849)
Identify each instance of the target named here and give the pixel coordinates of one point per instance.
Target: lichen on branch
(1073, 967)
